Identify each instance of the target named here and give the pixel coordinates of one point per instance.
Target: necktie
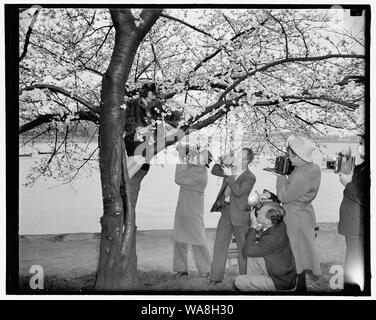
(227, 191)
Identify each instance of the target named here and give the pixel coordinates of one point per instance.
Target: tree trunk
(123, 273)
(117, 267)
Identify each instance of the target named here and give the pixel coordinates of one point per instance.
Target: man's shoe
(214, 282)
(235, 288)
(181, 274)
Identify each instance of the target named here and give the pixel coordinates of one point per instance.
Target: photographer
(232, 202)
(271, 264)
(296, 192)
(192, 177)
(351, 222)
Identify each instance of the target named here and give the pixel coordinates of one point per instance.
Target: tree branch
(217, 105)
(356, 78)
(229, 22)
(210, 120)
(36, 122)
(212, 55)
(317, 122)
(324, 98)
(187, 24)
(289, 60)
(303, 37)
(80, 167)
(46, 118)
(28, 33)
(284, 33)
(101, 45)
(149, 17)
(57, 89)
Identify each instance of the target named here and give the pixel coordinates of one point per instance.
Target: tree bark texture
(117, 267)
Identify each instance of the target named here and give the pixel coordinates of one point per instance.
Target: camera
(256, 200)
(283, 165)
(227, 160)
(329, 163)
(341, 163)
(187, 149)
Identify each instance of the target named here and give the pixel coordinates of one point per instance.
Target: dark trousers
(354, 261)
(225, 229)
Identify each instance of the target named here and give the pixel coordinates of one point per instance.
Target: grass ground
(70, 260)
(156, 282)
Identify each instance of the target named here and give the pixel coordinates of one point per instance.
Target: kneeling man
(270, 264)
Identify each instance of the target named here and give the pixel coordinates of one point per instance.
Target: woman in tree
(296, 192)
(140, 126)
(189, 215)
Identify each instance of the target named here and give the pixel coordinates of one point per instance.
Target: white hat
(302, 149)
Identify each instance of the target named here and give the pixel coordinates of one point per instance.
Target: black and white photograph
(188, 149)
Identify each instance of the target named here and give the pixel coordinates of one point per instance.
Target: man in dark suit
(232, 202)
(271, 264)
(351, 222)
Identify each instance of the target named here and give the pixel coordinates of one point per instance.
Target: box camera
(329, 163)
(256, 200)
(227, 160)
(340, 163)
(187, 148)
(283, 165)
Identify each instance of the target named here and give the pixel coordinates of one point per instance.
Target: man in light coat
(231, 201)
(189, 226)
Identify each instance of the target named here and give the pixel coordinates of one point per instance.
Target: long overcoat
(296, 194)
(189, 214)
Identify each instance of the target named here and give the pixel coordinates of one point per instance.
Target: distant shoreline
(323, 226)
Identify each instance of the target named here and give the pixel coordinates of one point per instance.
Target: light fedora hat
(301, 148)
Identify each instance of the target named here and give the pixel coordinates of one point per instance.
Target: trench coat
(296, 194)
(189, 214)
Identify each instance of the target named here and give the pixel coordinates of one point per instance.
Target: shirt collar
(241, 172)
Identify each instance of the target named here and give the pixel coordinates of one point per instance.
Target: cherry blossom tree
(270, 71)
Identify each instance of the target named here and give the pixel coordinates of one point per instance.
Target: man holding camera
(271, 264)
(232, 202)
(351, 222)
(189, 229)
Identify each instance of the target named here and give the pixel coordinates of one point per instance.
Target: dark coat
(274, 246)
(136, 116)
(140, 115)
(240, 190)
(351, 212)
